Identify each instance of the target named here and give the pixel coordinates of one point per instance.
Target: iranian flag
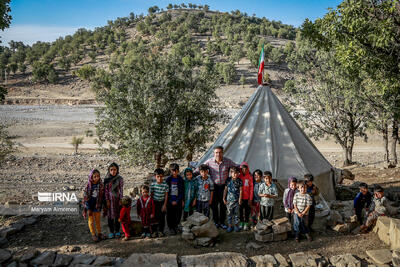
(261, 66)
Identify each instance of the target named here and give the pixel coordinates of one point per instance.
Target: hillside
(47, 73)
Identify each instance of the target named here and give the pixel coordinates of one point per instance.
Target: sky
(46, 20)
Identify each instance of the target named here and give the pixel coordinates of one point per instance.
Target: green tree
(366, 39)
(5, 17)
(22, 67)
(322, 90)
(157, 108)
(13, 67)
(86, 72)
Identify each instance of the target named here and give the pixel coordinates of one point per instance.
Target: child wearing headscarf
(191, 188)
(93, 198)
(288, 196)
(255, 207)
(113, 190)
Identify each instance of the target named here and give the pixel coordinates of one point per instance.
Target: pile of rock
(275, 230)
(199, 230)
(388, 230)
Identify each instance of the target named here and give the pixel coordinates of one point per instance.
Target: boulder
(281, 260)
(29, 255)
(280, 237)
(204, 241)
(197, 219)
(188, 235)
(346, 260)
(262, 227)
(396, 262)
(5, 255)
(46, 258)
(151, 260)
(392, 211)
(206, 230)
(301, 259)
(103, 261)
(282, 228)
(30, 220)
(62, 260)
(335, 218)
(264, 238)
(283, 220)
(341, 228)
(382, 229)
(12, 264)
(264, 261)
(380, 256)
(394, 230)
(3, 241)
(8, 231)
(218, 259)
(83, 259)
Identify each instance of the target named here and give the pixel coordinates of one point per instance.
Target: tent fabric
(267, 137)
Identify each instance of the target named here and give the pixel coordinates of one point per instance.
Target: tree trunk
(348, 155)
(385, 136)
(395, 138)
(157, 158)
(76, 149)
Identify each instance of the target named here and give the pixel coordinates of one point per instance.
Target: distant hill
(48, 72)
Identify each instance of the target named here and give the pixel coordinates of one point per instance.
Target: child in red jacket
(145, 210)
(247, 197)
(125, 216)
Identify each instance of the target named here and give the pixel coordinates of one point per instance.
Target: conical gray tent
(266, 136)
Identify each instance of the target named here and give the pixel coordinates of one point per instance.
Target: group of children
(245, 195)
(374, 204)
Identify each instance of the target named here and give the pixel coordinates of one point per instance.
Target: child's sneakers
(230, 229)
(111, 235)
(126, 238)
(223, 226)
(309, 238)
(246, 227)
(241, 224)
(143, 235)
(154, 235)
(148, 235)
(236, 228)
(118, 235)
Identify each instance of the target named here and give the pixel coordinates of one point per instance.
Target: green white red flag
(261, 66)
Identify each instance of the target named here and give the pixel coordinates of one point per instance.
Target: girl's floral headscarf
(89, 189)
(290, 194)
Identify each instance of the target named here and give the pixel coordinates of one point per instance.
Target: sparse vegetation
(75, 142)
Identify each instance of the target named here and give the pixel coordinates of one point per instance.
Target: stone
(264, 232)
(185, 229)
(5, 255)
(283, 220)
(3, 241)
(29, 255)
(253, 245)
(118, 262)
(30, 220)
(206, 230)
(335, 217)
(188, 235)
(187, 224)
(13, 264)
(264, 261)
(341, 228)
(394, 230)
(46, 258)
(217, 259)
(18, 226)
(382, 229)
(8, 231)
(204, 241)
(264, 238)
(197, 219)
(280, 237)
(83, 259)
(282, 228)
(62, 260)
(281, 260)
(262, 227)
(103, 261)
(301, 259)
(380, 256)
(151, 260)
(345, 260)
